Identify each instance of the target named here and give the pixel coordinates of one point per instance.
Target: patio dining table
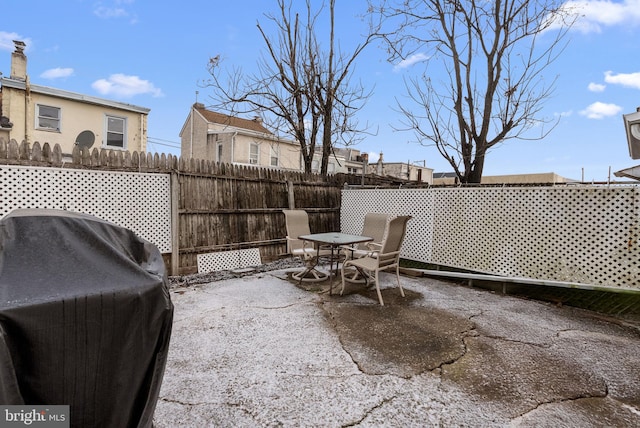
(333, 240)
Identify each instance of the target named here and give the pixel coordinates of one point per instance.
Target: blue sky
(153, 54)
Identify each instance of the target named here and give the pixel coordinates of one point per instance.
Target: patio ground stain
(407, 340)
(397, 338)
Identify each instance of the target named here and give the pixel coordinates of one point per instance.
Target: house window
(274, 156)
(48, 118)
(219, 154)
(315, 166)
(116, 132)
(254, 151)
(331, 168)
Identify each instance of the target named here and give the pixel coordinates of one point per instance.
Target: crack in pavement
(562, 400)
(368, 412)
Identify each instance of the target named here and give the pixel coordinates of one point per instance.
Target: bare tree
(490, 86)
(299, 89)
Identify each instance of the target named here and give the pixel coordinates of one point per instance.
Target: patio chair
(297, 223)
(387, 258)
(375, 226)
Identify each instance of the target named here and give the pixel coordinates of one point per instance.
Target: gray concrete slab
(260, 351)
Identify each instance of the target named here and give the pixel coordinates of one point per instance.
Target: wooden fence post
(292, 199)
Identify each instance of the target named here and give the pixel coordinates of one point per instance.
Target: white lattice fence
(138, 201)
(417, 203)
(228, 260)
(584, 234)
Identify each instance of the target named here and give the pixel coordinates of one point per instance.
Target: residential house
(342, 160)
(450, 178)
(221, 138)
(402, 170)
(37, 113)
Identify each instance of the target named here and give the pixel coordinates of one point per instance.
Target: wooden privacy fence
(231, 208)
(213, 207)
(227, 207)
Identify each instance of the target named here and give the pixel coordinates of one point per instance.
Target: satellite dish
(85, 139)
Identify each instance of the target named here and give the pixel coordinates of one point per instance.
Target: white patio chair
(297, 224)
(375, 226)
(387, 258)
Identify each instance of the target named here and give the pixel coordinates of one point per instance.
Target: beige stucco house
(220, 138)
(37, 113)
(402, 170)
(449, 178)
(342, 160)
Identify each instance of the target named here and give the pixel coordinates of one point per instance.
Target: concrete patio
(260, 351)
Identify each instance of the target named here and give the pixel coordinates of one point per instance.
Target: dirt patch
(399, 340)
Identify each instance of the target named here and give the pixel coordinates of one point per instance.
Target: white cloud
(596, 87)
(115, 10)
(110, 12)
(596, 14)
(125, 86)
(630, 80)
(6, 41)
(413, 59)
(600, 110)
(56, 73)
(564, 113)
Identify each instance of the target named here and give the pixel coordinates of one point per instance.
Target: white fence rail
(138, 201)
(581, 234)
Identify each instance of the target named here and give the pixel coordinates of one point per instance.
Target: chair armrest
(347, 248)
(374, 246)
(306, 245)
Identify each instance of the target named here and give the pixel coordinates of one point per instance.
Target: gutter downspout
(141, 133)
(191, 142)
(27, 96)
(233, 147)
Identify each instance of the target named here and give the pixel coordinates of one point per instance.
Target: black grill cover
(85, 317)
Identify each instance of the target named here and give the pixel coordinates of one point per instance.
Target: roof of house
(222, 119)
(444, 174)
(59, 93)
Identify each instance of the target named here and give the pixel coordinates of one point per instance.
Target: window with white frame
(48, 118)
(331, 168)
(275, 156)
(116, 132)
(254, 152)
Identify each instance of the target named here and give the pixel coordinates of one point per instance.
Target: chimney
(19, 61)
(380, 166)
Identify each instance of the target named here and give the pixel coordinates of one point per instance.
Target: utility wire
(154, 140)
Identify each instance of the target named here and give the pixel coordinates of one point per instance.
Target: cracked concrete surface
(259, 351)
